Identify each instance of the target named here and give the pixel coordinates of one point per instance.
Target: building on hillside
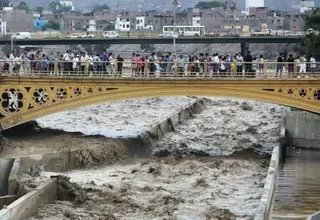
(306, 5)
(17, 21)
(294, 23)
(141, 24)
(196, 20)
(253, 3)
(67, 4)
(123, 24)
(38, 23)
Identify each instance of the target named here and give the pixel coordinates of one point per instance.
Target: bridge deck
(298, 190)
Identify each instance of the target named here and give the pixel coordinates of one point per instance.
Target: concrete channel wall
(303, 129)
(271, 179)
(29, 203)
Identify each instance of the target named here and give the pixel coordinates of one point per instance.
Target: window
(294, 27)
(198, 21)
(38, 24)
(294, 20)
(127, 19)
(127, 26)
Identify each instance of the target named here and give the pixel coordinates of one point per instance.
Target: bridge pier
(244, 48)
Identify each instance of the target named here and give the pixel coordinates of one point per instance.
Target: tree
(310, 45)
(207, 5)
(56, 8)
(39, 9)
(4, 3)
(98, 7)
(51, 25)
(23, 6)
(109, 27)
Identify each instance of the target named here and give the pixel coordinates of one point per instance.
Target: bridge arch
(29, 100)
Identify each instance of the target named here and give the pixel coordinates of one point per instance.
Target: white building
(306, 5)
(122, 24)
(67, 4)
(92, 26)
(253, 4)
(141, 24)
(196, 21)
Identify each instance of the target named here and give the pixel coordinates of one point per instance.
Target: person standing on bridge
(280, 61)
(119, 65)
(313, 65)
(290, 65)
(239, 62)
(303, 65)
(248, 64)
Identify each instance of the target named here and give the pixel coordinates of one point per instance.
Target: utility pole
(175, 4)
(118, 18)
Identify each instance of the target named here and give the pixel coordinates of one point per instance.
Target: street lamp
(175, 5)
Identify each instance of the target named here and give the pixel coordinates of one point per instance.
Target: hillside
(159, 4)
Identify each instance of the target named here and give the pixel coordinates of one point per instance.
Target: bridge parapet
(29, 95)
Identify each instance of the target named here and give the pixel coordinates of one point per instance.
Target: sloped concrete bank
(72, 159)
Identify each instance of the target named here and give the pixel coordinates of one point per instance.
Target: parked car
(82, 35)
(22, 35)
(110, 34)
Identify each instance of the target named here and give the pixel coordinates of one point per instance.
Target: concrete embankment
(303, 129)
(291, 188)
(271, 179)
(73, 159)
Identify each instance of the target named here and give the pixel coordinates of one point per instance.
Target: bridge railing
(145, 68)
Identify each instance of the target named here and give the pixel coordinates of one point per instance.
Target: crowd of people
(165, 65)
(67, 63)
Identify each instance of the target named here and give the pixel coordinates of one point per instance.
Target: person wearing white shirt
(11, 64)
(313, 64)
(303, 64)
(67, 61)
(16, 65)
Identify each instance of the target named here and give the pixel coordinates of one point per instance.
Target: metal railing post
(205, 69)
(116, 68)
(86, 68)
(56, 67)
(146, 68)
(265, 69)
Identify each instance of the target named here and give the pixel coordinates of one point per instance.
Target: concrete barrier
(266, 200)
(169, 124)
(5, 168)
(303, 129)
(7, 200)
(28, 204)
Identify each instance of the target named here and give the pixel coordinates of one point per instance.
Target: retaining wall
(303, 129)
(29, 203)
(266, 200)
